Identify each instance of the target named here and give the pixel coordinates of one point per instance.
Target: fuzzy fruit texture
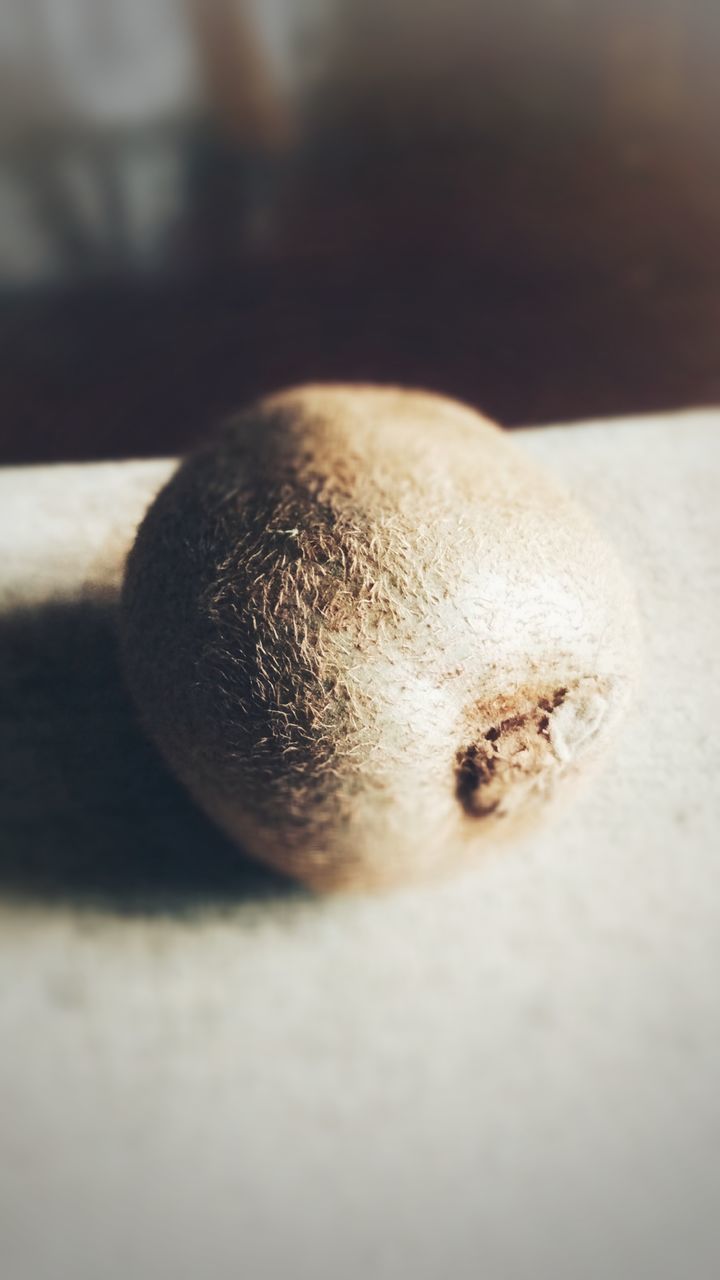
(370, 636)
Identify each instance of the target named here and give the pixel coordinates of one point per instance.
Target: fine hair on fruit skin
(370, 635)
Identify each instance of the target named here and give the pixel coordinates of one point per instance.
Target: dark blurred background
(201, 200)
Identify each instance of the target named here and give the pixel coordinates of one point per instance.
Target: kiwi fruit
(370, 636)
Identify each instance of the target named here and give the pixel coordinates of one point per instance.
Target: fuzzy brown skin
(368, 634)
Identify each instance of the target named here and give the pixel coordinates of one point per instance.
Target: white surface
(514, 1074)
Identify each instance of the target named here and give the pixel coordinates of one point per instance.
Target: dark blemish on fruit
(488, 770)
(473, 771)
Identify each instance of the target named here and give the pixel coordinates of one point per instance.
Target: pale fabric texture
(509, 1075)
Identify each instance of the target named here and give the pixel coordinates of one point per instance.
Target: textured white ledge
(511, 1075)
